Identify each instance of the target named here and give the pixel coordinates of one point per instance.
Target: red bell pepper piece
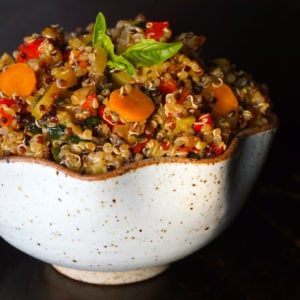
(168, 86)
(204, 119)
(5, 118)
(165, 146)
(29, 50)
(88, 104)
(107, 118)
(139, 147)
(8, 102)
(214, 150)
(184, 92)
(155, 30)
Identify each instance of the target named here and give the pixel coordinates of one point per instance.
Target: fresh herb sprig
(102, 39)
(146, 52)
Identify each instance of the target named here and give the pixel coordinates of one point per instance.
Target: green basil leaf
(99, 29)
(102, 39)
(149, 52)
(119, 62)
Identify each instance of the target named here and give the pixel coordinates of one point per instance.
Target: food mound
(96, 99)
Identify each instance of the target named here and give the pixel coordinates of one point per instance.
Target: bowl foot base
(110, 278)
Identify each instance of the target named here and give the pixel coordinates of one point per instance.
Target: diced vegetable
(132, 105)
(18, 79)
(41, 108)
(100, 59)
(89, 103)
(65, 76)
(183, 93)
(155, 30)
(7, 116)
(121, 78)
(203, 121)
(226, 100)
(8, 102)
(184, 123)
(168, 86)
(29, 51)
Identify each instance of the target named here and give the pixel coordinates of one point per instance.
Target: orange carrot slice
(18, 79)
(132, 105)
(226, 100)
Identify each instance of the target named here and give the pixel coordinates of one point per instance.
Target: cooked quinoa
(196, 107)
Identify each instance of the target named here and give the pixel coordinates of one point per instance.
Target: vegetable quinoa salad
(98, 98)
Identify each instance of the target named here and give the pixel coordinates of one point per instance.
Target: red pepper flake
(29, 50)
(155, 30)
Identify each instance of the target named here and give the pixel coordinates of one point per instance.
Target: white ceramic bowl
(130, 224)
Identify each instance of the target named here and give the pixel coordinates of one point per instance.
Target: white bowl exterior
(147, 217)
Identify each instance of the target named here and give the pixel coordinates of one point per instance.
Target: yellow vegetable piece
(65, 76)
(132, 105)
(184, 123)
(100, 60)
(18, 79)
(121, 78)
(41, 108)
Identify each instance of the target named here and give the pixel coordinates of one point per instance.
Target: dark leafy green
(91, 122)
(33, 128)
(56, 132)
(73, 138)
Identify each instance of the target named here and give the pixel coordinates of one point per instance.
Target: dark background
(258, 256)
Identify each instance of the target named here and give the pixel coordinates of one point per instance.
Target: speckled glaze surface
(131, 224)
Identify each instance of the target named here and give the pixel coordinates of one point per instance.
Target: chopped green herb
(56, 132)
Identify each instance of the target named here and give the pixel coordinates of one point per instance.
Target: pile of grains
(198, 107)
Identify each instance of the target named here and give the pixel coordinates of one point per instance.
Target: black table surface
(257, 256)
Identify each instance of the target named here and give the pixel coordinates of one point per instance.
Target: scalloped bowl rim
(228, 153)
